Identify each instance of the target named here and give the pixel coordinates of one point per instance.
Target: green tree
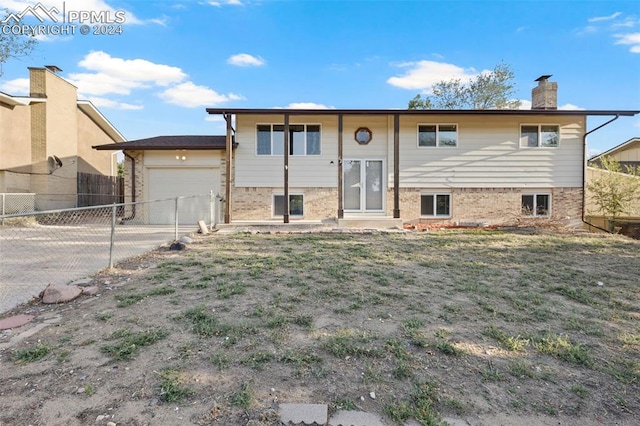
(121, 169)
(490, 90)
(13, 45)
(614, 192)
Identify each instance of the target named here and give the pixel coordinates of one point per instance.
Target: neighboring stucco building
(441, 166)
(51, 124)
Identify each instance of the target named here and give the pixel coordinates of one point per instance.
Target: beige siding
(252, 170)
(91, 160)
(489, 155)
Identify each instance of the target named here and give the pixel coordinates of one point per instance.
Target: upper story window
(304, 139)
(539, 135)
(437, 135)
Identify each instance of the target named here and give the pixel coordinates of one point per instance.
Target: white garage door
(181, 182)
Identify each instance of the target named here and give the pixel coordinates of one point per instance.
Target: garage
(167, 182)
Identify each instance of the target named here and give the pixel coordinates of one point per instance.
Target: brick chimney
(545, 94)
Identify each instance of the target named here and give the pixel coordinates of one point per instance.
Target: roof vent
(545, 94)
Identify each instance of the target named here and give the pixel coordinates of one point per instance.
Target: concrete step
(372, 222)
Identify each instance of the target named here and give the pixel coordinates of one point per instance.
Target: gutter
(584, 174)
(133, 187)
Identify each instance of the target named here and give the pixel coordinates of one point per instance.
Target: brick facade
(468, 205)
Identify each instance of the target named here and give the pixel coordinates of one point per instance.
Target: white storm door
(363, 182)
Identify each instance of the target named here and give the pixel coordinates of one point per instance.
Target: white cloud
(525, 104)
(605, 18)
(246, 60)
(134, 70)
(307, 105)
(424, 74)
(108, 103)
(225, 2)
(570, 107)
(191, 95)
(632, 39)
(18, 86)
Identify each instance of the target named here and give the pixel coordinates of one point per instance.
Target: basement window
(536, 205)
(435, 205)
(296, 205)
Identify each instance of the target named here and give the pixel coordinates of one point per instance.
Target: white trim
(281, 194)
(539, 126)
(434, 193)
(535, 194)
(363, 199)
(271, 154)
(437, 135)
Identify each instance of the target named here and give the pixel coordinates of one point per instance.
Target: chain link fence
(60, 246)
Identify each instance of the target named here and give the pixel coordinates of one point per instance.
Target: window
(537, 205)
(533, 135)
(304, 139)
(295, 205)
(435, 205)
(437, 135)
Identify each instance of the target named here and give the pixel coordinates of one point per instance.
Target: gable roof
(190, 142)
(618, 148)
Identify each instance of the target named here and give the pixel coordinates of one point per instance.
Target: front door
(363, 182)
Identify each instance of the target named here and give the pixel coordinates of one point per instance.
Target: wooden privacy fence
(98, 190)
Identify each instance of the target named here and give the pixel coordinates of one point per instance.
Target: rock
(15, 321)
(177, 246)
(90, 291)
(57, 293)
(186, 240)
(111, 424)
(83, 282)
(372, 395)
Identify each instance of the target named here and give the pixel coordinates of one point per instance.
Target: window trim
(437, 135)
(539, 126)
(535, 195)
(271, 150)
(435, 214)
(281, 194)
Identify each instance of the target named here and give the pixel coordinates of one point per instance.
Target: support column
(229, 157)
(396, 166)
(286, 168)
(340, 170)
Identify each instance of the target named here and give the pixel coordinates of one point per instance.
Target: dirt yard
(477, 327)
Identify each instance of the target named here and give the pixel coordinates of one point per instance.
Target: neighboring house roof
(631, 143)
(280, 111)
(171, 142)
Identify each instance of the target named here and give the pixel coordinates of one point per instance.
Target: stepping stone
(306, 414)
(15, 321)
(355, 418)
(60, 293)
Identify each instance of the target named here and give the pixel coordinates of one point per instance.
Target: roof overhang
(12, 100)
(92, 112)
(525, 112)
(167, 143)
(617, 148)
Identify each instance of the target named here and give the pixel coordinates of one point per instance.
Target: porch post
(286, 168)
(340, 177)
(396, 166)
(229, 156)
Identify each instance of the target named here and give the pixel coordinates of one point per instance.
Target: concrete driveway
(34, 256)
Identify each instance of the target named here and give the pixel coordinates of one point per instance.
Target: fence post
(2, 220)
(176, 217)
(212, 206)
(113, 231)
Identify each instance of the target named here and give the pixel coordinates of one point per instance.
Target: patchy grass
(32, 354)
(436, 324)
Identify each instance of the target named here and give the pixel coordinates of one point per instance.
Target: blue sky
(175, 58)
